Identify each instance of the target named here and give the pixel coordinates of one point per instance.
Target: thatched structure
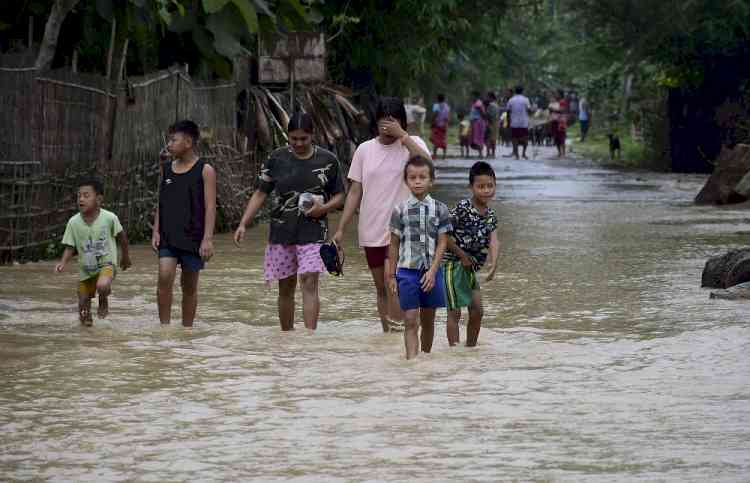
(63, 125)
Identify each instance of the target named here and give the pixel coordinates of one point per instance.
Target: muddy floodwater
(600, 358)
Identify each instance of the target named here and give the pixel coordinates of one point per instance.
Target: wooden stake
(111, 49)
(75, 60)
(31, 32)
(121, 72)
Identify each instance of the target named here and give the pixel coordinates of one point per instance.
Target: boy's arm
(453, 246)
(206, 250)
(66, 256)
(122, 241)
(392, 262)
(428, 279)
(155, 236)
(494, 253)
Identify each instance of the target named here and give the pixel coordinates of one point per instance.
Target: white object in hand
(307, 200)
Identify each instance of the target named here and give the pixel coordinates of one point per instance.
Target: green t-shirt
(95, 243)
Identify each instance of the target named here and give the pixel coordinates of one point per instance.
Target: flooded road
(600, 358)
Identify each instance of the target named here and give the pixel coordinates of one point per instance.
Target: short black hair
(480, 168)
(519, 89)
(441, 97)
(391, 107)
(418, 162)
(186, 127)
(301, 120)
(94, 183)
(491, 96)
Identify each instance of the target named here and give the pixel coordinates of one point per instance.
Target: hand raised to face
(390, 127)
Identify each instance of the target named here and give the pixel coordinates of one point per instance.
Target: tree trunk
(47, 49)
(627, 92)
(695, 139)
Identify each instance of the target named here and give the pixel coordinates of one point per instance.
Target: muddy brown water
(600, 358)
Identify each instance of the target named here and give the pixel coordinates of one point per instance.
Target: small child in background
(94, 233)
(419, 234)
(474, 232)
(464, 131)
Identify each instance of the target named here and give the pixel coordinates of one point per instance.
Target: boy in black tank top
(184, 223)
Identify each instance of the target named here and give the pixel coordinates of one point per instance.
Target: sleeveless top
(182, 208)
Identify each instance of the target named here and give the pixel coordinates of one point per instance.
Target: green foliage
(400, 46)
(634, 154)
(204, 33)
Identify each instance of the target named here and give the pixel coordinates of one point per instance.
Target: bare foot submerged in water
(84, 315)
(103, 310)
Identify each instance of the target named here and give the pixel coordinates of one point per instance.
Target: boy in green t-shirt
(94, 234)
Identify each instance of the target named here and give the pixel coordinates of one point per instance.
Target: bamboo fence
(61, 126)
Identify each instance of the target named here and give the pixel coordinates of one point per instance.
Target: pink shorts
(283, 261)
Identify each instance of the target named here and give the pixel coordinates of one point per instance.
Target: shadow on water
(600, 358)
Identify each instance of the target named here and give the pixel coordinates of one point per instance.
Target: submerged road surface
(600, 358)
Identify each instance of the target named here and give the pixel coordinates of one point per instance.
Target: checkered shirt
(418, 224)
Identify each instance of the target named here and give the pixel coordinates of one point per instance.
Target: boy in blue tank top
(184, 223)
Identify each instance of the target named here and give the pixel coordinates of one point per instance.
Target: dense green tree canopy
(621, 53)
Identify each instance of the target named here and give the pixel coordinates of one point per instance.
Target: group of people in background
(507, 120)
(421, 255)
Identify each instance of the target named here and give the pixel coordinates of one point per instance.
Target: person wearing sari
(478, 124)
(441, 113)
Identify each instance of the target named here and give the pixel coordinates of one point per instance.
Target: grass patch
(634, 154)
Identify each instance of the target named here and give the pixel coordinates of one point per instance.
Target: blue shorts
(410, 293)
(189, 261)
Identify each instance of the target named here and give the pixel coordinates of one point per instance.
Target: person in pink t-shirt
(376, 186)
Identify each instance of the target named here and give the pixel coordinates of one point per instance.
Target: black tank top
(182, 208)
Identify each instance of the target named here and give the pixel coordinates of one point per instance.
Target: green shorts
(460, 284)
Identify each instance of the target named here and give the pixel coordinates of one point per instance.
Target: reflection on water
(600, 359)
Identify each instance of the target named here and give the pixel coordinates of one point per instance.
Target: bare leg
(164, 288)
(411, 333)
(84, 309)
(452, 326)
(103, 288)
(286, 302)
(189, 283)
(475, 319)
(310, 299)
(525, 145)
(427, 321)
(395, 314)
(388, 305)
(515, 149)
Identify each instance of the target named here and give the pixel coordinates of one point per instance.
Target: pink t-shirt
(380, 169)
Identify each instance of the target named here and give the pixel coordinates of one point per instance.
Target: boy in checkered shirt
(419, 235)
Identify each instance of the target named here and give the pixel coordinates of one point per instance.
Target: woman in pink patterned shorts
(301, 170)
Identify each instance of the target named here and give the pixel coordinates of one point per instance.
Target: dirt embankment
(730, 181)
